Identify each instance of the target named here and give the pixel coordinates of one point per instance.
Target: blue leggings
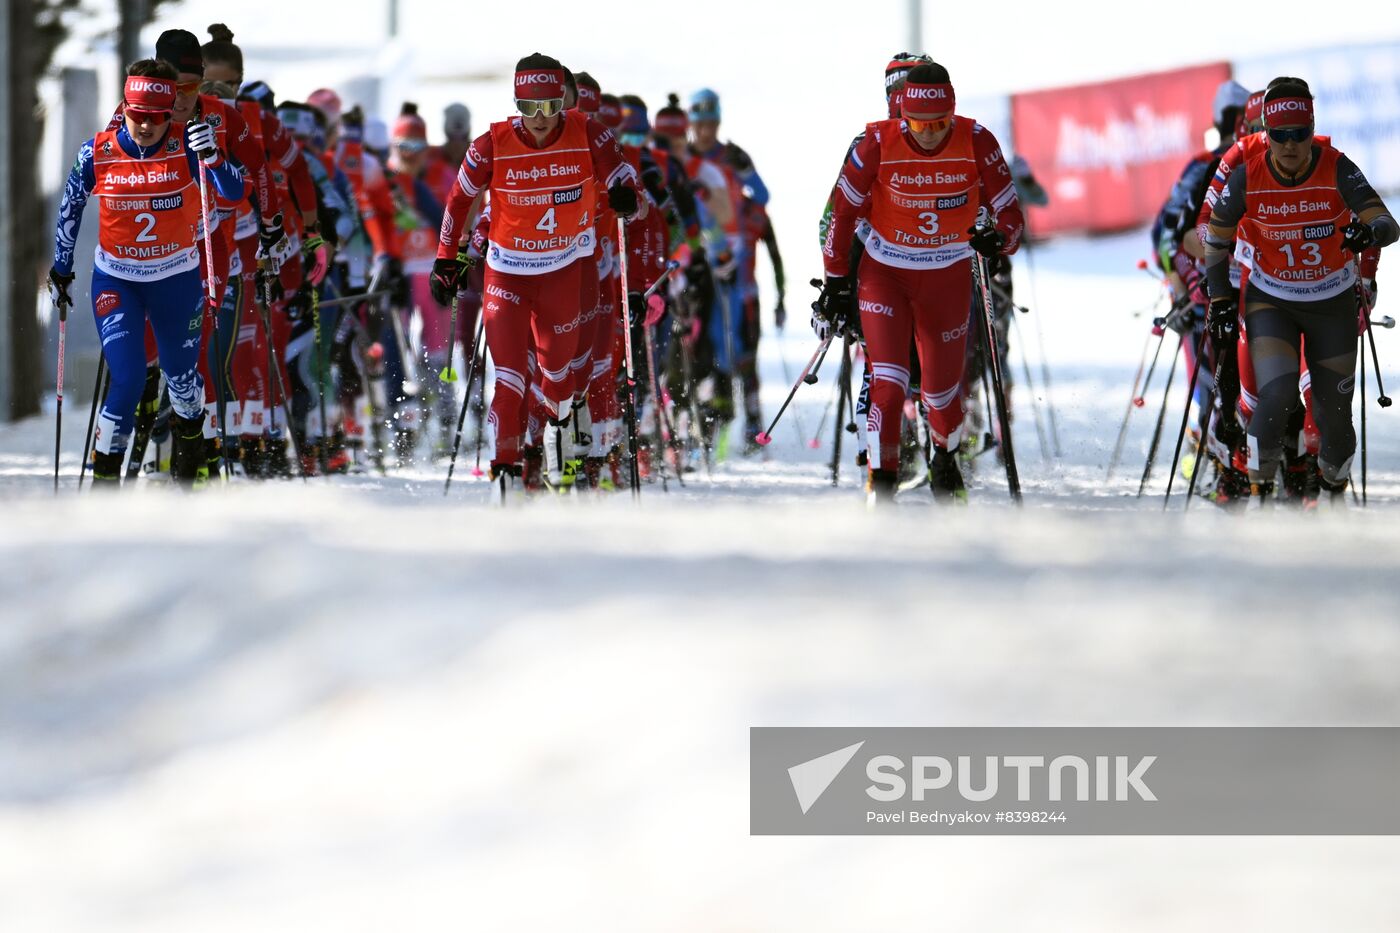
(175, 308)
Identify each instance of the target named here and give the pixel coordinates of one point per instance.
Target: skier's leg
(1273, 347)
(120, 315)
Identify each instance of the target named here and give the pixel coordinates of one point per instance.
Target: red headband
(1288, 111)
(928, 98)
(151, 95)
(610, 113)
(539, 85)
(588, 99)
(671, 123)
(1254, 107)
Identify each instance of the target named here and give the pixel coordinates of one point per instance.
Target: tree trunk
(26, 215)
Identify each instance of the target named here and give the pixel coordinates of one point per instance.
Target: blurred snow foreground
(354, 705)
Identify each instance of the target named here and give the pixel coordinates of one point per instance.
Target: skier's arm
(1228, 163)
(770, 239)
(81, 180)
(998, 190)
(1225, 217)
(298, 177)
(1365, 203)
(243, 147)
(853, 185)
(684, 199)
(743, 167)
(610, 166)
(222, 173)
(473, 178)
(379, 218)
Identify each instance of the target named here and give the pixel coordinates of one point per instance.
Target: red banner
(1108, 154)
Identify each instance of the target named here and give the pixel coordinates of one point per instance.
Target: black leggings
(1326, 330)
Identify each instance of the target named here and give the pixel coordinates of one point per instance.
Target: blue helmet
(704, 105)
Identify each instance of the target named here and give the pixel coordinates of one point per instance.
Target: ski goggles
(153, 117)
(185, 88)
(545, 108)
(936, 125)
(1291, 134)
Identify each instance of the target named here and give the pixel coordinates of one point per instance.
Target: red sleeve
(1228, 163)
(473, 178)
(244, 148)
(379, 219)
(849, 198)
(610, 166)
(288, 154)
(998, 190)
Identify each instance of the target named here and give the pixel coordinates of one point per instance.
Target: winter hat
(326, 101)
(704, 105)
(671, 119)
(589, 94)
(609, 110)
(457, 121)
(1229, 94)
(180, 48)
(410, 132)
(634, 116)
(928, 89)
(259, 93)
(376, 134)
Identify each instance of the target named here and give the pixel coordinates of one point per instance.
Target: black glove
(299, 304)
(59, 283)
(636, 308)
(986, 240)
(737, 158)
(1358, 237)
(623, 200)
(833, 313)
(443, 281)
(1222, 323)
(780, 313)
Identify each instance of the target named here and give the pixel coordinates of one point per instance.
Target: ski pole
(766, 437)
(1200, 451)
(1161, 419)
(843, 403)
(630, 399)
(1381, 398)
(354, 299)
(1132, 397)
(1040, 339)
(275, 366)
(1186, 414)
(58, 421)
(449, 374)
(1030, 387)
(984, 281)
(1361, 351)
(466, 400)
(215, 372)
(815, 442)
(99, 393)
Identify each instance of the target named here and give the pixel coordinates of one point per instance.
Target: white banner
(1357, 89)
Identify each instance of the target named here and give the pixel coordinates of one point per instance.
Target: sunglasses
(545, 108)
(929, 126)
(1291, 134)
(153, 117)
(187, 87)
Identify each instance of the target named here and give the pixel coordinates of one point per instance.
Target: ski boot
(880, 487)
(106, 469)
(1231, 488)
(189, 459)
(751, 431)
(558, 475)
(1300, 478)
(1336, 490)
(1261, 495)
(945, 480)
(507, 477)
(532, 475)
